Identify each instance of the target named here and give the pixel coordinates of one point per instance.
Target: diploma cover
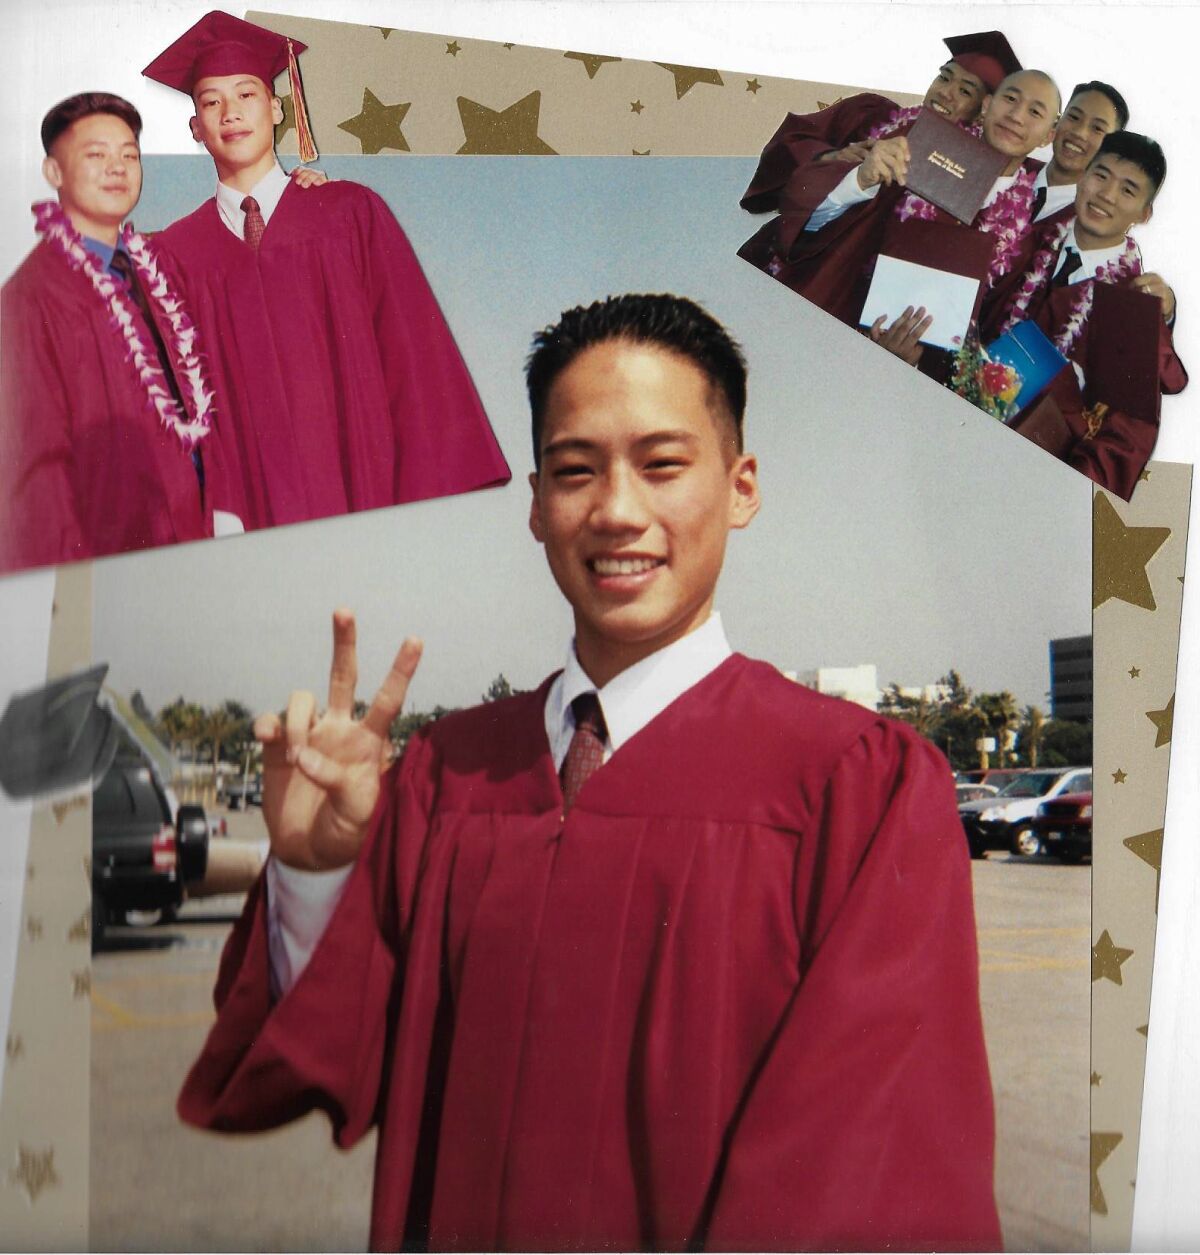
(1122, 351)
(951, 168)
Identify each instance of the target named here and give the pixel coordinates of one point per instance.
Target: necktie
(255, 226)
(1067, 269)
(124, 267)
(1039, 203)
(586, 751)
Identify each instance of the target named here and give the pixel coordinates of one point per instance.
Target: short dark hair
(669, 322)
(67, 112)
(1142, 151)
(1105, 89)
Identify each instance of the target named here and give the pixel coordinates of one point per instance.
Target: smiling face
(1113, 195)
(955, 93)
(638, 488)
(236, 117)
(1020, 116)
(1087, 119)
(95, 166)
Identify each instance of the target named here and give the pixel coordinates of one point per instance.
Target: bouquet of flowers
(992, 386)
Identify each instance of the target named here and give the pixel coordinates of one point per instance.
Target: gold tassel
(1094, 417)
(304, 135)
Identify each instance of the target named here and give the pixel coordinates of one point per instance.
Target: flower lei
(1083, 294)
(906, 116)
(1009, 218)
(192, 423)
(1124, 267)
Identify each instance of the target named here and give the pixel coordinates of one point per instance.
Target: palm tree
(1035, 730)
(999, 715)
(216, 727)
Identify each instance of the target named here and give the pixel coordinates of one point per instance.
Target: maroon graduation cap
(220, 44)
(987, 54)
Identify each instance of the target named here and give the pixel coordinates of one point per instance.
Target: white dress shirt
(1056, 197)
(300, 903)
(849, 193)
(1093, 258)
(267, 191)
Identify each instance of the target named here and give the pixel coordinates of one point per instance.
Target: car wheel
(1071, 856)
(976, 848)
(1026, 842)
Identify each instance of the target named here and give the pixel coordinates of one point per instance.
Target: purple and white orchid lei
(1083, 293)
(1009, 218)
(191, 424)
(906, 116)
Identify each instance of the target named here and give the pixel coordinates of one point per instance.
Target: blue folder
(1032, 355)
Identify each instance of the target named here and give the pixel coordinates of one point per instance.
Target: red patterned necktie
(586, 751)
(255, 226)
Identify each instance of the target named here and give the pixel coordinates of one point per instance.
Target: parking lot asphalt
(158, 1185)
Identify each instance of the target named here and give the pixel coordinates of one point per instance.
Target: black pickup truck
(142, 858)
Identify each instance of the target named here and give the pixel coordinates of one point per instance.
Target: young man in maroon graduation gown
(344, 386)
(96, 436)
(811, 154)
(668, 953)
(1115, 194)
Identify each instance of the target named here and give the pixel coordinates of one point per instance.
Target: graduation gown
(342, 388)
(1117, 454)
(805, 137)
(86, 467)
(730, 1000)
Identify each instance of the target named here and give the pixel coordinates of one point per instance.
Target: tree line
(954, 719)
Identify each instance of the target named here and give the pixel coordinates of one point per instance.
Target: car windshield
(1033, 784)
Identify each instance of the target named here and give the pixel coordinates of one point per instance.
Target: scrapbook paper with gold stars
(44, 1102)
(1137, 576)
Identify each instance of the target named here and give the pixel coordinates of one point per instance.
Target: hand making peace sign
(321, 774)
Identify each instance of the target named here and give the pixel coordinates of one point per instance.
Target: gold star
(453, 48)
(1134, 672)
(1119, 777)
(1162, 720)
(289, 117)
(508, 47)
(1103, 1145)
(504, 132)
(1120, 555)
(81, 983)
(14, 1047)
(33, 928)
(80, 930)
(1107, 958)
(385, 31)
(752, 86)
(636, 106)
(637, 152)
(1144, 1029)
(822, 105)
(687, 76)
(1144, 477)
(591, 61)
(1148, 847)
(34, 1171)
(377, 126)
(1095, 1078)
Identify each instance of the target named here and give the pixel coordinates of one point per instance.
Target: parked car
(241, 792)
(1064, 826)
(998, 777)
(1006, 820)
(967, 792)
(143, 857)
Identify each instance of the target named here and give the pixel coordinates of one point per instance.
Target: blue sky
(899, 526)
